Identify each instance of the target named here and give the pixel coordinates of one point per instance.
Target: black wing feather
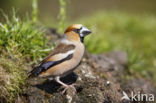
(45, 66)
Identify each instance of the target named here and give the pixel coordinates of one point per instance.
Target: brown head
(76, 32)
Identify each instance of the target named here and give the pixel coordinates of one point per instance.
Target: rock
(98, 80)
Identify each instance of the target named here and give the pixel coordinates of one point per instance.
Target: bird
(65, 57)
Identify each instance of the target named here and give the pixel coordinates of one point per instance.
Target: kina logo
(139, 97)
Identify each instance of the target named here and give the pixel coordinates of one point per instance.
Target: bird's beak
(84, 31)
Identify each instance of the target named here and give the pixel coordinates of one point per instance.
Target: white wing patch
(63, 55)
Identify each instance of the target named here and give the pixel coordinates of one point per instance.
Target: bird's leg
(60, 82)
(72, 86)
(64, 85)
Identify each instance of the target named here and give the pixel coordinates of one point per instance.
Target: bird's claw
(69, 86)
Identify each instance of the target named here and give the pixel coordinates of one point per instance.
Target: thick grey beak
(84, 31)
(87, 32)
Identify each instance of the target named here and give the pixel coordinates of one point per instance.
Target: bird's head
(76, 32)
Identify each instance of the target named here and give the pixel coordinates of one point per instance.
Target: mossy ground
(12, 78)
(22, 43)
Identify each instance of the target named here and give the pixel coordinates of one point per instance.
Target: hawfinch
(65, 57)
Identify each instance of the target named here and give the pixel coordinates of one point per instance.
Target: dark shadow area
(52, 86)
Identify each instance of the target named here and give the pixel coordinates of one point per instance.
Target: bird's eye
(76, 30)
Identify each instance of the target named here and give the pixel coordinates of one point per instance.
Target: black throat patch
(82, 39)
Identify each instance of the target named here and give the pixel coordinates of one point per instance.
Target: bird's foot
(67, 87)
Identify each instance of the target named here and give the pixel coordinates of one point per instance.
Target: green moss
(12, 78)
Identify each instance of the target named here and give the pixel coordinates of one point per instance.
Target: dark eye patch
(76, 30)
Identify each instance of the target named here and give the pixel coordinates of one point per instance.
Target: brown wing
(61, 48)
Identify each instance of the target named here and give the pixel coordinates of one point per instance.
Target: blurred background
(49, 9)
(125, 25)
